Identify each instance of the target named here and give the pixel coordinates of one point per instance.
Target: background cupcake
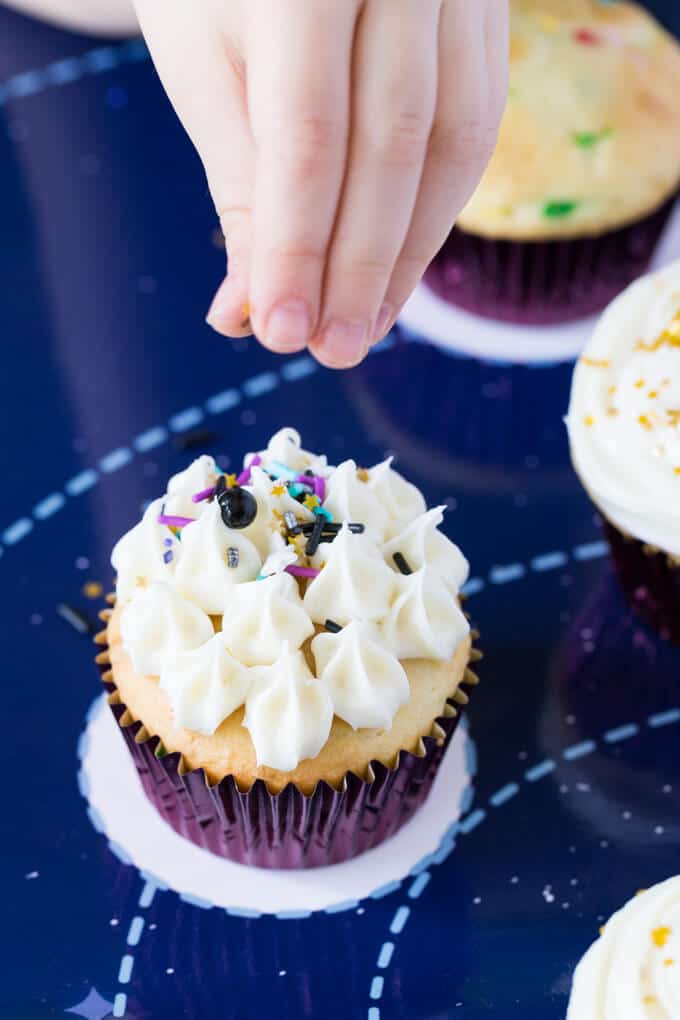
(624, 432)
(285, 653)
(577, 192)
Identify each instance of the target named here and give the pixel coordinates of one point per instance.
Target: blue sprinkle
(280, 470)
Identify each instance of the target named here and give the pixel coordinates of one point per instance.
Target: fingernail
(289, 326)
(384, 318)
(218, 305)
(344, 343)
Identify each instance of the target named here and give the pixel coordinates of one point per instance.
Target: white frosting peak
(626, 974)
(402, 500)
(624, 414)
(425, 621)
(423, 544)
(158, 623)
(203, 574)
(355, 582)
(200, 475)
(273, 501)
(288, 712)
(204, 685)
(366, 682)
(285, 447)
(262, 617)
(149, 552)
(349, 498)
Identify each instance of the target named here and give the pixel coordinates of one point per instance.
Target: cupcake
(285, 652)
(624, 432)
(577, 192)
(633, 970)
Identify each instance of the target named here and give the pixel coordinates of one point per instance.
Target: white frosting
(158, 623)
(272, 502)
(366, 682)
(385, 617)
(423, 544)
(201, 474)
(204, 685)
(624, 414)
(402, 501)
(262, 617)
(288, 712)
(350, 499)
(425, 621)
(203, 574)
(626, 974)
(355, 582)
(138, 556)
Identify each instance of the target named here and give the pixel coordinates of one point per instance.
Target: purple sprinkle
(244, 477)
(317, 483)
(302, 571)
(167, 541)
(167, 556)
(198, 497)
(175, 522)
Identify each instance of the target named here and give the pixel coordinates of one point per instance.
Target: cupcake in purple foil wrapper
(287, 653)
(578, 190)
(624, 432)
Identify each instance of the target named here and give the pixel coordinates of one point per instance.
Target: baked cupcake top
(295, 589)
(633, 971)
(624, 413)
(590, 138)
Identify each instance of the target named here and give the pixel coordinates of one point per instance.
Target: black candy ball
(238, 507)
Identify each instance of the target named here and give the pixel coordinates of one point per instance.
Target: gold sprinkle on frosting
(595, 362)
(660, 936)
(669, 338)
(589, 420)
(363, 475)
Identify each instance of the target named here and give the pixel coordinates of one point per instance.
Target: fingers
(472, 82)
(298, 97)
(394, 94)
(208, 94)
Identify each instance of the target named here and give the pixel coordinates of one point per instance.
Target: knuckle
(295, 255)
(402, 141)
(313, 143)
(466, 141)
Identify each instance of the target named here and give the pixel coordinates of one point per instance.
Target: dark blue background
(109, 258)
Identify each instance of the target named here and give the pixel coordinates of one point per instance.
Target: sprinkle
(645, 422)
(332, 626)
(612, 412)
(315, 537)
(589, 139)
(332, 528)
(208, 493)
(586, 37)
(302, 571)
(401, 563)
(92, 590)
(639, 384)
(669, 962)
(612, 389)
(244, 477)
(558, 208)
(291, 522)
(167, 556)
(321, 511)
(653, 394)
(649, 1000)
(670, 337)
(676, 471)
(674, 417)
(174, 521)
(311, 502)
(231, 481)
(595, 363)
(660, 936)
(167, 541)
(279, 470)
(279, 490)
(75, 618)
(195, 439)
(363, 475)
(589, 420)
(319, 487)
(232, 556)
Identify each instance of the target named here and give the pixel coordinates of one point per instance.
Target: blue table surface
(109, 256)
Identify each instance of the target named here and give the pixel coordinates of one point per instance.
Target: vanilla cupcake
(285, 653)
(588, 156)
(633, 970)
(624, 432)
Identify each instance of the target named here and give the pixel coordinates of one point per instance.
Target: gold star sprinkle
(589, 420)
(230, 480)
(639, 384)
(279, 490)
(363, 475)
(669, 962)
(645, 422)
(311, 501)
(92, 590)
(660, 936)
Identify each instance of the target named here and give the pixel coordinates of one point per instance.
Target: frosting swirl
(424, 621)
(158, 623)
(401, 500)
(288, 712)
(423, 545)
(350, 499)
(624, 413)
(149, 552)
(204, 685)
(354, 583)
(633, 970)
(200, 475)
(263, 617)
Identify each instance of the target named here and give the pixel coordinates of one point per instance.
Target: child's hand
(340, 139)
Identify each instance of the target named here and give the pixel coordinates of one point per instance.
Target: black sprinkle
(315, 537)
(232, 556)
(332, 626)
(196, 438)
(331, 528)
(75, 618)
(401, 563)
(220, 486)
(291, 523)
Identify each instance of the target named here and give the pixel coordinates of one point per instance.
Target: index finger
(298, 98)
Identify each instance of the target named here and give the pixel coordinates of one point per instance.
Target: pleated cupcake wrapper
(288, 829)
(543, 282)
(650, 579)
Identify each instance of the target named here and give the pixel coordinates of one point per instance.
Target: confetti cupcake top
(590, 138)
(633, 970)
(624, 413)
(295, 589)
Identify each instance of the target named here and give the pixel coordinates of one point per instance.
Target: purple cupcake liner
(542, 283)
(288, 829)
(650, 579)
